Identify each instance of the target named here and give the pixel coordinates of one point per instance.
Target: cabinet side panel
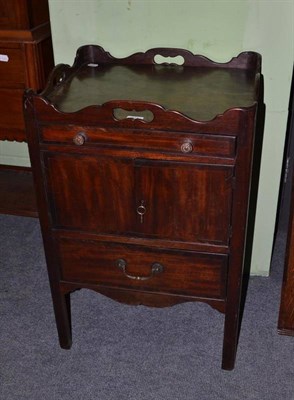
(286, 315)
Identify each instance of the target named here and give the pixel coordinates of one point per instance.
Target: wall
(218, 29)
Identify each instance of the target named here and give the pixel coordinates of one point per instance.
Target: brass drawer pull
(156, 268)
(187, 147)
(80, 138)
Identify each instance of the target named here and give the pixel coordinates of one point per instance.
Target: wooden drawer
(12, 66)
(142, 268)
(182, 143)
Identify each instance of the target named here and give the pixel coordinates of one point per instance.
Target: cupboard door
(184, 201)
(157, 199)
(91, 193)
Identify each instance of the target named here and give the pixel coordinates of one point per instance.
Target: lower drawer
(142, 268)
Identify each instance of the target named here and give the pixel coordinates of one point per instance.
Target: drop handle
(156, 268)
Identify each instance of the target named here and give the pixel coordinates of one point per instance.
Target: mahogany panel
(184, 201)
(23, 14)
(12, 66)
(17, 192)
(11, 115)
(79, 185)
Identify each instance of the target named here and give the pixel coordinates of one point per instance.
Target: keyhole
(141, 210)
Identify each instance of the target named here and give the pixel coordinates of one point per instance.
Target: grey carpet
(131, 353)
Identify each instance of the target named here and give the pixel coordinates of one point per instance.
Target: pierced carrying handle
(131, 113)
(143, 115)
(171, 56)
(156, 268)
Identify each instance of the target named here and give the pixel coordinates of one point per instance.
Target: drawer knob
(187, 147)
(156, 268)
(80, 138)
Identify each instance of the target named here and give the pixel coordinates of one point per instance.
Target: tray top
(200, 93)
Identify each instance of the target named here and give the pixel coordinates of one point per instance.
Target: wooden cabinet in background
(286, 227)
(26, 59)
(143, 175)
(23, 14)
(286, 315)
